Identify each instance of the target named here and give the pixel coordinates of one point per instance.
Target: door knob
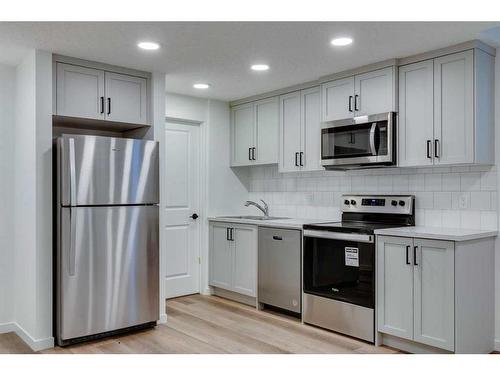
(194, 216)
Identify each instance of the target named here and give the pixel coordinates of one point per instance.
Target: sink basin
(253, 217)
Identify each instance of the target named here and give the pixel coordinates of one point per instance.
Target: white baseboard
(7, 327)
(163, 319)
(35, 344)
(497, 345)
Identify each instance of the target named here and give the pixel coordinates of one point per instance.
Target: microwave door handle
(372, 139)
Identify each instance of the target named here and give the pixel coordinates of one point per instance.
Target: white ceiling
(220, 53)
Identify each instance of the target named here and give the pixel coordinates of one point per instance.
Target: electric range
(339, 262)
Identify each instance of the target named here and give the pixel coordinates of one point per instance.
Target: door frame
(203, 209)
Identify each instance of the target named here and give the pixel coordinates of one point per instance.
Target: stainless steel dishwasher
(279, 275)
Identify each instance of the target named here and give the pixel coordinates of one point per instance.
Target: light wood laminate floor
(209, 324)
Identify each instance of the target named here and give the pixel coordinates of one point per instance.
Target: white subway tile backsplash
(400, 183)
(433, 218)
(451, 218)
(442, 200)
(433, 182)
(470, 181)
(480, 200)
(470, 219)
(417, 182)
(489, 181)
(445, 196)
(451, 182)
(489, 220)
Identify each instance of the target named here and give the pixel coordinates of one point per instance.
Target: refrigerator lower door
(108, 270)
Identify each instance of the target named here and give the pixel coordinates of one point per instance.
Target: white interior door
(181, 232)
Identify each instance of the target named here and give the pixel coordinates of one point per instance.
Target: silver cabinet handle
(72, 250)
(72, 173)
(372, 139)
(339, 236)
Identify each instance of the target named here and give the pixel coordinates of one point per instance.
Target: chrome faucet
(264, 209)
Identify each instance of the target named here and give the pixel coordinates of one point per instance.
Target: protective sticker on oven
(352, 256)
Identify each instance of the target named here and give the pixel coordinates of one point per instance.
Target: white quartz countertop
(290, 223)
(450, 234)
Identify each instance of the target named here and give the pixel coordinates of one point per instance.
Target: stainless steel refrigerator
(107, 258)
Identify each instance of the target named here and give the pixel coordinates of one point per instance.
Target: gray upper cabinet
(338, 99)
(126, 98)
(100, 95)
(300, 131)
(80, 92)
(374, 92)
(360, 95)
(416, 114)
(454, 108)
(254, 133)
(446, 110)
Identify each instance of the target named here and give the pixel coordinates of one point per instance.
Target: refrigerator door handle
(71, 253)
(72, 174)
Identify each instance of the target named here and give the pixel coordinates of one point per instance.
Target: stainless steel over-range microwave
(359, 141)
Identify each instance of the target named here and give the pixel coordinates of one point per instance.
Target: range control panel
(390, 204)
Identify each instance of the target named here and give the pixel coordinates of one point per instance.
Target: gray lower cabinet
(435, 295)
(233, 257)
(415, 286)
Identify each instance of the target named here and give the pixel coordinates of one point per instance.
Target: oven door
(352, 142)
(340, 266)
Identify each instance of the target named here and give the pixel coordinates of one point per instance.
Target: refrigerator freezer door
(99, 171)
(108, 270)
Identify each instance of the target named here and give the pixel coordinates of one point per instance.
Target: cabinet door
(267, 131)
(416, 114)
(338, 99)
(395, 286)
(290, 132)
(244, 268)
(80, 92)
(221, 257)
(126, 98)
(434, 293)
(375, 92)
(453, 108)
(242, 134)
(311, 130)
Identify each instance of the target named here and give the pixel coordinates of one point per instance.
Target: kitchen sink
(253, 217)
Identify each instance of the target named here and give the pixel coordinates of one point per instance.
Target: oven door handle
(354, 237)
(372, 139)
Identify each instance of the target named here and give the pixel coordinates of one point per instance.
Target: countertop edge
(432, 235)
(294, 223)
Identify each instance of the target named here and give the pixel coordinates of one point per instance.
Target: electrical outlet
(463, 201)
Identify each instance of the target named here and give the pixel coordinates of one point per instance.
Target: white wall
(7, 111)
(226, 190)
(33, 199)
(497, 160)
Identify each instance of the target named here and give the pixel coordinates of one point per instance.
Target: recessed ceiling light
(201, 86)
(344, 41)
(150, 46)
(260, 67)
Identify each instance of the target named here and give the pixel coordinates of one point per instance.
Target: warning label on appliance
(352, 256)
